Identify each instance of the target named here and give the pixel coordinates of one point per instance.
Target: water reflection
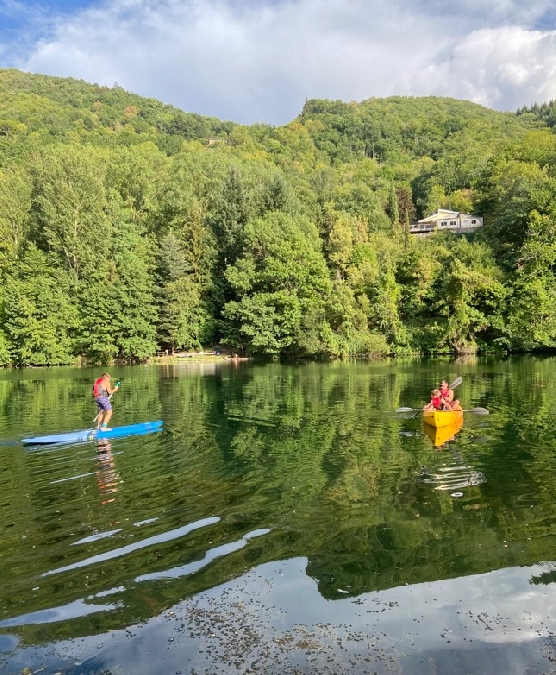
(441, 435)
(271, 619)
(301, 477)
(108, 478)
(547, 576)
(455, 473)
(453, 477)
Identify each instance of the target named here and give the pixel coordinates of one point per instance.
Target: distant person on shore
(102, 391)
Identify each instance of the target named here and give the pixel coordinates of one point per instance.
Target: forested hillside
(129, 226)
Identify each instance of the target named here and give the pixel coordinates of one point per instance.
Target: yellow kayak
(439, 436)
(442, 418)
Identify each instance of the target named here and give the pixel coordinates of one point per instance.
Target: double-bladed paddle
(477, 411)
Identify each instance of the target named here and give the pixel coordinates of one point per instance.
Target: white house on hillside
(444, 219)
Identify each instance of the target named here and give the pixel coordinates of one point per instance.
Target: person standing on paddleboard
(102, 390)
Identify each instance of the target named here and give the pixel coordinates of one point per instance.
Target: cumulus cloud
(503, 68)
(259, 61)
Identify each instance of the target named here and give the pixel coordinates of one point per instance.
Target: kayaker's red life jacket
(437, 402)
(445, 395)
(96, 387)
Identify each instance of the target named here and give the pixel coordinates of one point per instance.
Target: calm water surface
(286, 520)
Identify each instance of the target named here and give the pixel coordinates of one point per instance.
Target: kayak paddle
(477, 411)
(456, 383)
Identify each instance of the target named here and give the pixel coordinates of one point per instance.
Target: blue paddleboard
(96, 434)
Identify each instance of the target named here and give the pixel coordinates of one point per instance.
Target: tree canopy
(129, 226)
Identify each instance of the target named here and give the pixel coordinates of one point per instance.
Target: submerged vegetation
(128, 226)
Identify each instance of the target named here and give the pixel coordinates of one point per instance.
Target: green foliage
(15, 205)
(69, 109)
(347, 332)
(184, 319)
(39, 317)
(231, 214)
(359, 200)
(532, 316)
(69, 207)
(279, 282)
(134, 319)
(397, 129)
(532, 319)
(150, 227)
(512, 191)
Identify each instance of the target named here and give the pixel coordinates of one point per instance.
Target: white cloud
(252, 61)
(503, 68)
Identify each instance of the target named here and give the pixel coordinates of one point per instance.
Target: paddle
(454, 384)
(477, 411)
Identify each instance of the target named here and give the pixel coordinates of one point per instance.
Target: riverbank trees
(128, 226)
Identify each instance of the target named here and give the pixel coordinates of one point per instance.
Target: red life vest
(436, 402)
(96, 387)
(445, 395)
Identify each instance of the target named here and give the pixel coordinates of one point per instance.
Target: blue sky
(258, 61)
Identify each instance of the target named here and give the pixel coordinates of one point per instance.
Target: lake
(286, 520)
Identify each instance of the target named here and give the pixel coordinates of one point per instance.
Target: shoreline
(195, 357)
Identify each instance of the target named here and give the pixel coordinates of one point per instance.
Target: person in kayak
(102, 390)
(447, 396)
(436, 401)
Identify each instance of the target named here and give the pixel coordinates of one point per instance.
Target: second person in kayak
(447, 396)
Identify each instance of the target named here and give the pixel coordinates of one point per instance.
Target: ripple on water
(138, 545)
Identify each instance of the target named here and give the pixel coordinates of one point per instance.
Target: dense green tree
(278, 195)
(69, 207)
(152, 227)
(344, 233)
(392, 207)
(15, 202)
(183, 211)
(512, 191)
(133, 294)
(5, 356)
(347, 331)
(230, 215)
(139, 175)
(532, 316)
(117, 299)
(184, 318)
(359, 200)
(184, 321)
(279, 282)
(465, 301)
(405, 204)
(39, 317)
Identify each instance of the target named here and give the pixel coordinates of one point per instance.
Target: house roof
(443, 214)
